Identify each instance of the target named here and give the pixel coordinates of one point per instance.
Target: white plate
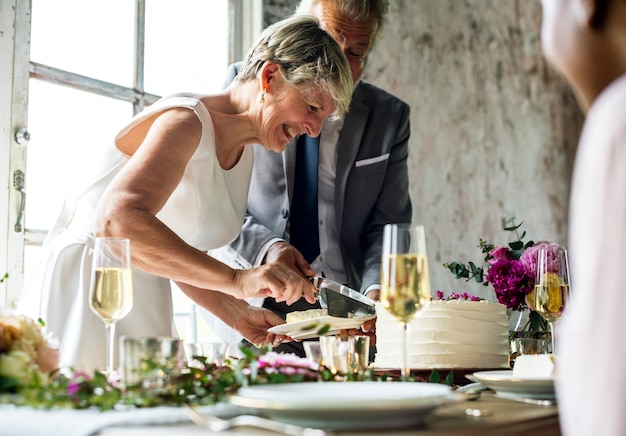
(345, 405)
(309, 328)
(505, 385)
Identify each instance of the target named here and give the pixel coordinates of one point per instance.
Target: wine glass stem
(110, 332)
(553, 339)
(405, 371)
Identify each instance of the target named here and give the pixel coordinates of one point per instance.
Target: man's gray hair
(356, 10)
(309, 59)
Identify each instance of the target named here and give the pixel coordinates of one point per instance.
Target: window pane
(85, 37)
(67, 128)
(186, 46)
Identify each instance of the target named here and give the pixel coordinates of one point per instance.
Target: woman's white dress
(206, 210)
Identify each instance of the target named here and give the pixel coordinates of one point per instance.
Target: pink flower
(501, 252)
(456, 296)
(287, 363)
(78, 379)
(529, 257)
(47, 357)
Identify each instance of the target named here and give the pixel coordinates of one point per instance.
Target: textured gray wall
(494, 130)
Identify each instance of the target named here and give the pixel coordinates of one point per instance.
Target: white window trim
(250, 14)
(15, 54)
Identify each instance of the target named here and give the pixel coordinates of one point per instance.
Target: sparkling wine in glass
(405, 286)
(111, 289)
(552, 286)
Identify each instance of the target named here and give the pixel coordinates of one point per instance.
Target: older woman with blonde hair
(175, 182)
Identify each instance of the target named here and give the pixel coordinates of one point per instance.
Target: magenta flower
(511, 283)
(501, 252)
(78, 379)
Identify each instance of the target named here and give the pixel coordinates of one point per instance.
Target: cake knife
(342, 301)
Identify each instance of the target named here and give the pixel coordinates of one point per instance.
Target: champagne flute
(551, 286)
(405, 286)
(111, 290)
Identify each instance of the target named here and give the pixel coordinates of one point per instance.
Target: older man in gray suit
(362, 177)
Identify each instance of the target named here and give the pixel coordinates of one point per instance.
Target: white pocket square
(371, 160)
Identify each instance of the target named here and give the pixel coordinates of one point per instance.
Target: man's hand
(367, 329)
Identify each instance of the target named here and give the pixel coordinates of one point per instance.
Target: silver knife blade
(342, 301)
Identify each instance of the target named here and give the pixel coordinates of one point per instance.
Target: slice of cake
(446, 334)
(535, 366)
(306, 314)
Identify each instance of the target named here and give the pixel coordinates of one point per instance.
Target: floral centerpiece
(510, 269)
(27, 358)
(29, 375)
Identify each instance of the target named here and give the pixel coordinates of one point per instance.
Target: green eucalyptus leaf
(325, 329)
(434, 376)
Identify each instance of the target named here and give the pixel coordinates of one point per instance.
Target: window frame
(245, 24)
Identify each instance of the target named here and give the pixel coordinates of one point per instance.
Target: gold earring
(262, 98)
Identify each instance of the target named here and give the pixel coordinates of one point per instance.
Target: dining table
(487, 415)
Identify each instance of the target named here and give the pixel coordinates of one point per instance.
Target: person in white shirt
(585, 40)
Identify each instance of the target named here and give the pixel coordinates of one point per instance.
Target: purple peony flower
(529, 257)
(501, 252)
(511, 283)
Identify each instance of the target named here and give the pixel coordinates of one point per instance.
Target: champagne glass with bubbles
(111, 290)
(405, 286)
(551, 286)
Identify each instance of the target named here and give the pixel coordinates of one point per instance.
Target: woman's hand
(288, 255)
(250, 322)
(255, 322)
(274, 280)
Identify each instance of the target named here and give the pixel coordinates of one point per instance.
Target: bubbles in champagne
(112, 295)
(405, 284)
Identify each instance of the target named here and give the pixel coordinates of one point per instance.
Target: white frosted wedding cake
(446, 334)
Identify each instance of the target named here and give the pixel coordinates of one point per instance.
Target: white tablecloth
(25, 421)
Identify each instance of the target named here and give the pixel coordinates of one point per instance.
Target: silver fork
(216, 424)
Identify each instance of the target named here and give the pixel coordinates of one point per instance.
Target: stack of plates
(508, 386)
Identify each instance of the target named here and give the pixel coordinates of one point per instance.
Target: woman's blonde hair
(309, 58)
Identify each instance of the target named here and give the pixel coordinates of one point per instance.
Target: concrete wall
(494, 130)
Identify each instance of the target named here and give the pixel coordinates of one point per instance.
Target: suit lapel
(347, 149)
